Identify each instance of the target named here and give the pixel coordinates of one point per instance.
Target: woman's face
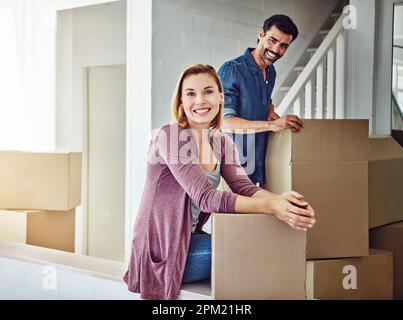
(201, 99)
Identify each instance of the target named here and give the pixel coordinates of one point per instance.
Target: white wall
(28, 64)
(369, 65)
(85, 38)
(360, 63)
(214, 31)
(17, 112)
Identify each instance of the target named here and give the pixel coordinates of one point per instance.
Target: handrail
(310, 68)
(396, 105)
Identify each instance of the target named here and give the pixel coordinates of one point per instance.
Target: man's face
(273, 44)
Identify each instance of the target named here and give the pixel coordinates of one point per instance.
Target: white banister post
(340, 75)
(330, 85)
(320, 87)
(308, 100)
(297, 106)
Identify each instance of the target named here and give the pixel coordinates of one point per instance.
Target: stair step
(311, 50)
(285, 89)
(324, 32)
(299, 69)
(336, 14)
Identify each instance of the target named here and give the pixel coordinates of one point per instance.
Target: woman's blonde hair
(178, 113)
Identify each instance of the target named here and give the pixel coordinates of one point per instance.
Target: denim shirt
(248, 96)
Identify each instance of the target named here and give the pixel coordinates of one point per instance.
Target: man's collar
(251, 62)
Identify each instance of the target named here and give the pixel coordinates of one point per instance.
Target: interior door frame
(138, 108)
(86, 159)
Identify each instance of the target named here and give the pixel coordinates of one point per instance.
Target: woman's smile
(204, 111)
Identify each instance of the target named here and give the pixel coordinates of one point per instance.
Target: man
(248, 83)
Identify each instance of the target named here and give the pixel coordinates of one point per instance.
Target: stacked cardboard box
(38, 196)
(386, 207)
(327, 162)
(363, 278)
(342, 174)
(386, 181)
(390, 237)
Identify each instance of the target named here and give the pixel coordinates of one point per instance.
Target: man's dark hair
(283, 23)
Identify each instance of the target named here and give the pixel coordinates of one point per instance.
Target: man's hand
(287, 122)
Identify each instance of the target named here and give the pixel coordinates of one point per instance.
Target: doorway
(105, 154)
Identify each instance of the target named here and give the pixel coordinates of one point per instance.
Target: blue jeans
(198, 263)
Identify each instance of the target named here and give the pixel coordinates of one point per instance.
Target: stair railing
(318, 92)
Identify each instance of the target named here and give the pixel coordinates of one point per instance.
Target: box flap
(383, 148)
(321, 140)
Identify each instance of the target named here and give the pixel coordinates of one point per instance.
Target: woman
(185, 162)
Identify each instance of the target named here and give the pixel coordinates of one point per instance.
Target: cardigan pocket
(158, 269)
(156, 262)
(158, 265)
(156, 259)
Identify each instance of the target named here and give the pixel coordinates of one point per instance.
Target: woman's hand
(291, 208)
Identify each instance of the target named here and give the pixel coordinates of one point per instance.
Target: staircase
(315, 87)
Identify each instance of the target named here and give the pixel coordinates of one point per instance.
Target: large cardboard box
(46, 181)
(327, 163)
(390, 238)
(365, 278)
(49, 229)
(256, 257)
(13, 226)
(385, 181)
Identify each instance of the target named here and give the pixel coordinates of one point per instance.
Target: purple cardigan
(163, 224)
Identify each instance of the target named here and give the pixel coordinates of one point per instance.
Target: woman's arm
(172, 146)
(289, 207)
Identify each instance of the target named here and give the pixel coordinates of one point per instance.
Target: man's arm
(233, 124)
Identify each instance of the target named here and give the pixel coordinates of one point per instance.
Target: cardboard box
(385, 181)
(13, 226)
(49, 229)
(365, 278)
(256, 256)
(45, 181)
(390, 238)
(327, 163)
